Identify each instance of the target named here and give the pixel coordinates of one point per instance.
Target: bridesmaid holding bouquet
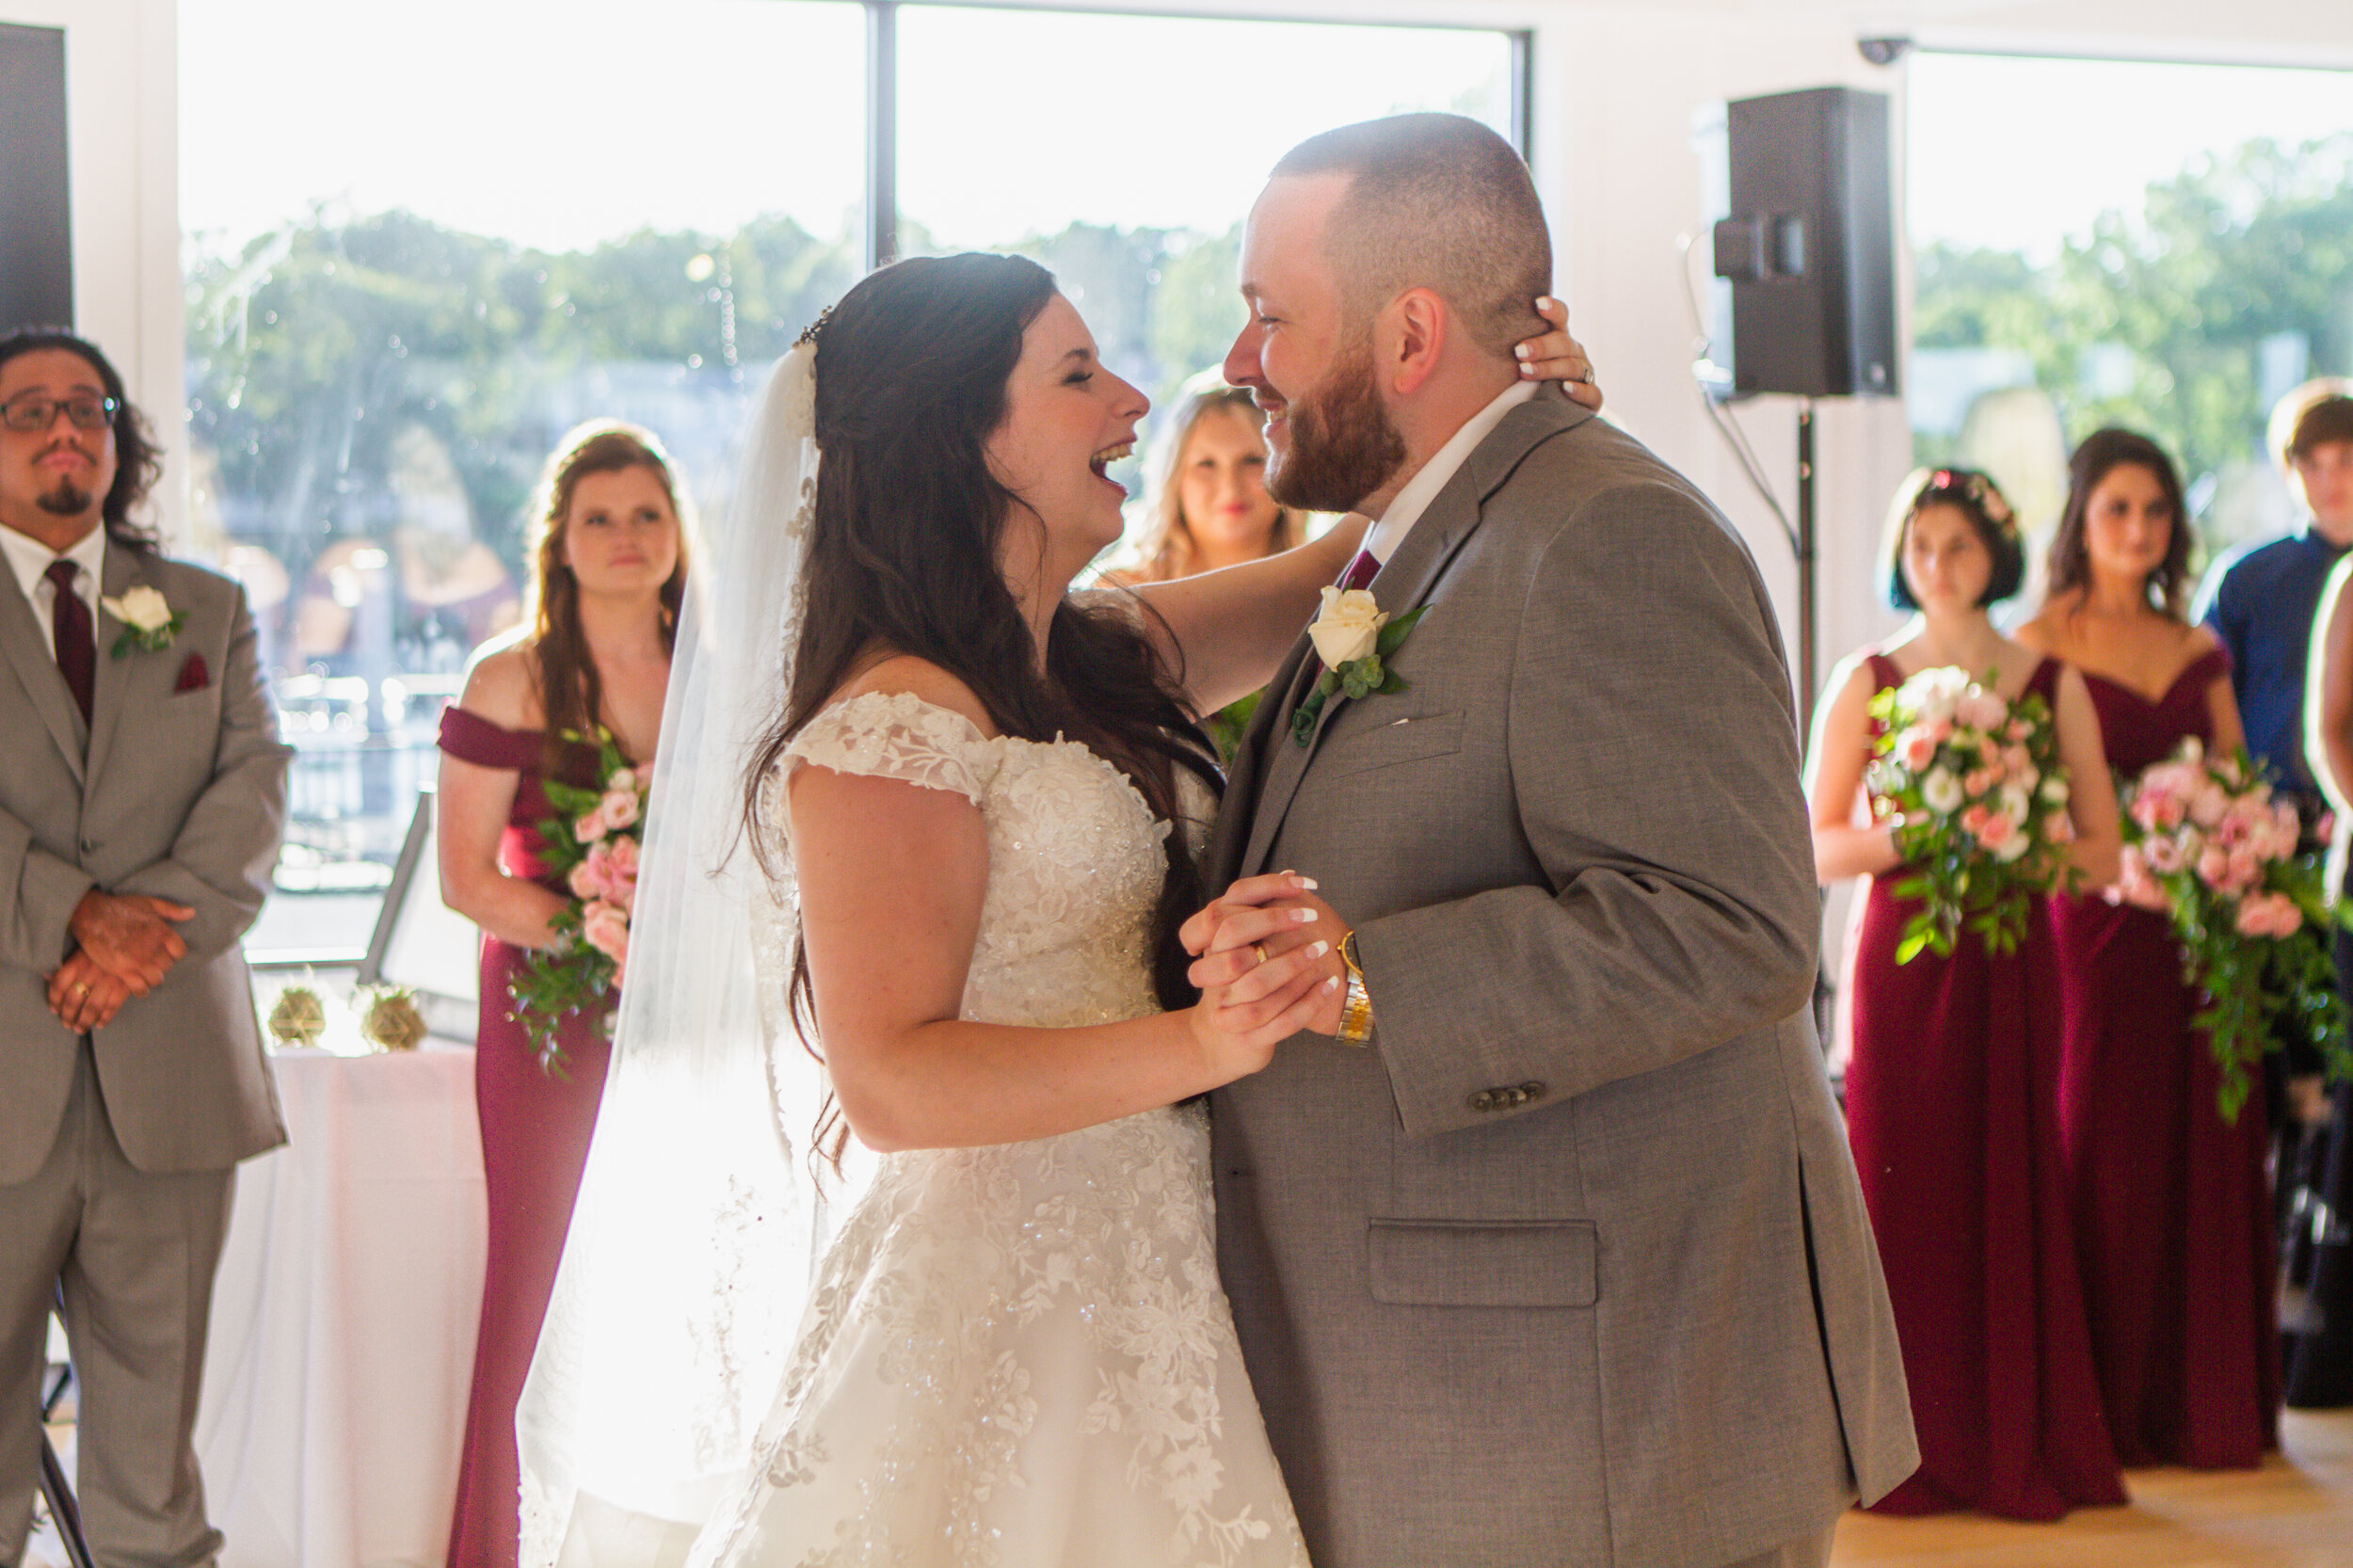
(1952, 1088)
(2171, 1206)
(607, 580)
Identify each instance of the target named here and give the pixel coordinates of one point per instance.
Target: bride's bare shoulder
(891, 674)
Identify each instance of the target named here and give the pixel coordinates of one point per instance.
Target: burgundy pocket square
(194, 677)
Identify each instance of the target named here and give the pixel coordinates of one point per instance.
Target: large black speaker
(1810, 245)
(35, 230)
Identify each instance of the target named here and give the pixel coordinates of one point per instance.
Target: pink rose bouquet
(1973, 783)
(592, 844)
(2207, 846)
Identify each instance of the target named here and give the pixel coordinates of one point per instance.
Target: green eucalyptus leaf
(1393, 635)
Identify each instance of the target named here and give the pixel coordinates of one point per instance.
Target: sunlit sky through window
(2014, 153)
(561, 124)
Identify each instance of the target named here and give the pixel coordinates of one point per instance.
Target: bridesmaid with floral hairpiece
(2172, 1208)
(1952, 1088)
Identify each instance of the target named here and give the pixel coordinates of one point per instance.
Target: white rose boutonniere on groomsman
(1352, 636)
(149, 621)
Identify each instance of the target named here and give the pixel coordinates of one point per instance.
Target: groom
(1562, 1261)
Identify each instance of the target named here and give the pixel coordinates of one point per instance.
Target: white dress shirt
(30, 560)
(1423, 487)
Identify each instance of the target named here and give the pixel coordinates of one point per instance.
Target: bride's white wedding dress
(1019, 1355)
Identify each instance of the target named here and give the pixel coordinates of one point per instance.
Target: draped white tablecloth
(343, 1318)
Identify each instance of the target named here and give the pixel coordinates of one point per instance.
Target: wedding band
(1258, 948)
(80, 988)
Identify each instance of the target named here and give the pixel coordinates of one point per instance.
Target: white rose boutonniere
(148, 621)
(1349, 627)
(1354, 637)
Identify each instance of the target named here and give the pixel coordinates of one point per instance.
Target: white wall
(122, 131)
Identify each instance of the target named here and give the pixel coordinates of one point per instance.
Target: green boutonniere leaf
(1394, 634)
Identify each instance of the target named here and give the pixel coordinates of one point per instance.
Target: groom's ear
(1413, 339)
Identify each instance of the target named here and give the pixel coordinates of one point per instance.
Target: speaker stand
(1808, 615)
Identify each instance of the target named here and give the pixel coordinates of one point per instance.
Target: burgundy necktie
(74, 638)
(1361, 571)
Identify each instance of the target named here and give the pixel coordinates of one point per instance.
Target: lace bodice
(1018, 1354)
(1075, 857)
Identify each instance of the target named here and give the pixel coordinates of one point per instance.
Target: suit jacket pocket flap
(1483, 1263)
(1405, 740)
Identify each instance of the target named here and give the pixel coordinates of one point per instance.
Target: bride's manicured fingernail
(1523, 350)
(1332, 982)
(1526, 369)
(1301, 917)
(1307, 882)
(1317, 950)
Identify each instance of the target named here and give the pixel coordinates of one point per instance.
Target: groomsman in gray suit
(142, 797)
(1553, 1253)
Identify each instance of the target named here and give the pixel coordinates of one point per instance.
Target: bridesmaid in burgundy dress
(2174, 1220)
(609, 572)
(1952, 1088)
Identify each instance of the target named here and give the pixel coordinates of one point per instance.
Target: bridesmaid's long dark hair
(2069, 562)
(912, 367)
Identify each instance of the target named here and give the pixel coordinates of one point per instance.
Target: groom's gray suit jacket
(1570, 1266)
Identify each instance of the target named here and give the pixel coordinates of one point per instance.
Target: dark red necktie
(1361, 571)
(74, 638)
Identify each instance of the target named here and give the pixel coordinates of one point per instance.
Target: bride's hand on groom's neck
(1554, 356)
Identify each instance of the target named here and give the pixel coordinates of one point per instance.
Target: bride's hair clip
(810, 332)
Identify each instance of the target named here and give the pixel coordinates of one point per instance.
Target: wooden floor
(2297, 1512)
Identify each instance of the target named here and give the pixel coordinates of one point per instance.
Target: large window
(1123, 152)
(422, 243)
(2194, 263)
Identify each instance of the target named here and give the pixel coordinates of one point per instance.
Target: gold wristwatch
(1355, 1005)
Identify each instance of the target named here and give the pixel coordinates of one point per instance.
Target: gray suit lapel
(125, 568)
(36, 669)
(1261, 747)
(1403, 581)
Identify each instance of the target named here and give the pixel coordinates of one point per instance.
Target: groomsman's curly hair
(1436, 201)
(139, 458)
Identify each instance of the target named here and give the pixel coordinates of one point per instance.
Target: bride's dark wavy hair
(912, 368)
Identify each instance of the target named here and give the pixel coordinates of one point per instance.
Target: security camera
(1883, 51)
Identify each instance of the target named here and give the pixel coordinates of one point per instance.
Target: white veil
(697, 1221)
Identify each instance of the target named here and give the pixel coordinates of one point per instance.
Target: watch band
(1357, 1003)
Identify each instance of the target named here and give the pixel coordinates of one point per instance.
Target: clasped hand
(1266, 958)
(124, 946)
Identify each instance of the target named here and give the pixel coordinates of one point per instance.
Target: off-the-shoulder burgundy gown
(2172, 1209)
(1952, 1109)
(535, 1140)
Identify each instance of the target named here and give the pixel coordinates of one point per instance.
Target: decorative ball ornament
(392, 1021)
(298, 1018)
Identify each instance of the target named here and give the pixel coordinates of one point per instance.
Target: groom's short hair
(1436, 201)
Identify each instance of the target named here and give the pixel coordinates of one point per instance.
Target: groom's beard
(1342, 445)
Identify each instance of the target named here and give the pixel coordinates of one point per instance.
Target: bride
(973, 833)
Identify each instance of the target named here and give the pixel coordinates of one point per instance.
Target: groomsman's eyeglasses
(27, 414)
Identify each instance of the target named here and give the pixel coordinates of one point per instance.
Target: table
(344, 1316)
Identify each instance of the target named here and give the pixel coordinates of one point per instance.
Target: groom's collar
(1423, 487)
